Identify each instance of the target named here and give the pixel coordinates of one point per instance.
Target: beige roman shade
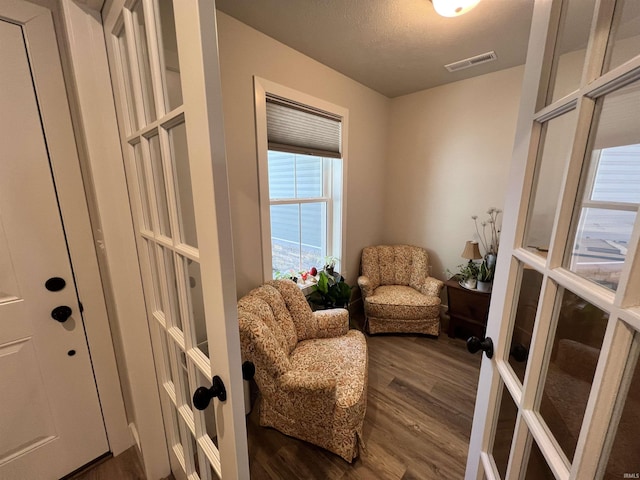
(296, 128)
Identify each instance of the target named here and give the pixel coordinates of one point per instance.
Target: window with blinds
(303, 156)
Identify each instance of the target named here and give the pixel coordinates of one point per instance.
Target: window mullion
(296, 201)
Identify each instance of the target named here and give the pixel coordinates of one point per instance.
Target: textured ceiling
(395, 47)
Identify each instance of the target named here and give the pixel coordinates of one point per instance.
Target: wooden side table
(468, 310)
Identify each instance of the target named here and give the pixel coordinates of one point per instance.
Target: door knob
(203, 395)
(248, 370)
(55, 284)
(519, 352)
(61, 313)
(486, 345)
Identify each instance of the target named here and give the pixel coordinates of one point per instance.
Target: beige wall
(450, 149)
(244, 52)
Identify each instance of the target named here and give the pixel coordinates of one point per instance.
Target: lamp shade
(471, 251)
(453, 8)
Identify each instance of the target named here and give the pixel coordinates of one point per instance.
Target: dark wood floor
(420, 407)
(126, 466)
(419, 412)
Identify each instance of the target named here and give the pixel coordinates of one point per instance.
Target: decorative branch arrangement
(492, 242)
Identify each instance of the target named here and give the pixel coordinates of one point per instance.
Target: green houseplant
(485, 276)
(330, 292)
(467, 274)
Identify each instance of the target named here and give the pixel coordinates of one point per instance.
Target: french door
(560, 397)
(164, 62)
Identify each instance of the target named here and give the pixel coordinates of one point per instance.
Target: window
(300, 209)
(301, 163)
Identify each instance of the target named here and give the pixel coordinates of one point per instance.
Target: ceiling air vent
(472, 61)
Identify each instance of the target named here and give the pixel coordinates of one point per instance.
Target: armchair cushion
(402, 303)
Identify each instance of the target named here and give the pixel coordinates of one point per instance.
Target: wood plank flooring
(126, 466)
(419, 412)
(420, 407)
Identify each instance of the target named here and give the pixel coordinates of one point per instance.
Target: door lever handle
(203, 395)
(486, 345)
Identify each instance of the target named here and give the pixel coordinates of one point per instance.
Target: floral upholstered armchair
(397, 291)
(310, 368)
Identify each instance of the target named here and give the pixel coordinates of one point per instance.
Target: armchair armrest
(332, 323)
(366, 286)
(432, 286)
(307, 395)
(307, 382)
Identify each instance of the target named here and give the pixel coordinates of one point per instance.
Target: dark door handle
(203, 395)
(486, 345)
(248, 370)
(61, 313)
(519, 352)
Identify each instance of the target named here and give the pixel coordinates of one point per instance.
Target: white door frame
(38, 28)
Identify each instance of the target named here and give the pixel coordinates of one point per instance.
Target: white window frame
(337, 202)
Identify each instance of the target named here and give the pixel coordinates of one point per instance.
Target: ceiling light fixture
(453, 8)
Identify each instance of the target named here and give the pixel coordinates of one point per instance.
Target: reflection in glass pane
(141, 175)
(571, 48)
(604, 217)
(172, 287)
(159, 185)
(281, 166)
(194, 283)
(601, 244)
(624, 43)
(184, 375)
(285, 237)
(168, 47)
(625, 452)
(157, 300)
(308, 176)
(140, 34)
(169, 368)
(524, 321)
(537, 467)
(184, 194)
(177, 434)
(126, 80)
(8, 283)
(551, 163)
(196, 454)
(504, 431)
(574, 355)
(209, 413)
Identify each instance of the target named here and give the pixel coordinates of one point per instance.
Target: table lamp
(471, 251)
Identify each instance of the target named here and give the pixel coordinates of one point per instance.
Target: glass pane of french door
(623, 431)
(161, 187)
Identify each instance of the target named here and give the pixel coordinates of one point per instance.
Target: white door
(560, 398)
(50, 418)
(164, 61)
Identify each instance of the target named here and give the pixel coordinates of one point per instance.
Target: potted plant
(330, 264)
(485, 276)
(467, 274)
(330, 292)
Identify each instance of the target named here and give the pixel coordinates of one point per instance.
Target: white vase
(484, 286)
(470, 283)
